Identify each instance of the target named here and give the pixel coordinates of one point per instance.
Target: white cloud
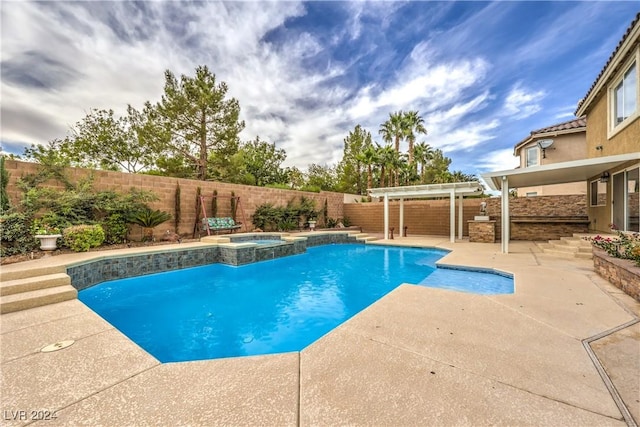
(498, 160)
(521, 102)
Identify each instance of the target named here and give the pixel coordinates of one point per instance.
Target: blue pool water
(274, 306)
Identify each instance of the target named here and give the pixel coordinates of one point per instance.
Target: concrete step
(552, 250)
(576, 241)
(37, 298)
(561, 246)
(9, 273)
(16, 286)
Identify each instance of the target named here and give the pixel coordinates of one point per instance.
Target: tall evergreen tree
(198, 118)
(351, 169)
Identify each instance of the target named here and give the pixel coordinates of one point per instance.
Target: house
(612, 106)
(561, 142)
(611, 168)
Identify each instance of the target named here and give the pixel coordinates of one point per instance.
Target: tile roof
(579, 122)
(635, 21)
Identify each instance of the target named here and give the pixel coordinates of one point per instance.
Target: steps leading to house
(21, 290)
(568, 247)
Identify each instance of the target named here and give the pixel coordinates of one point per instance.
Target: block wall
(165, 188)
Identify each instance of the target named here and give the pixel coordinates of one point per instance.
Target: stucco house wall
(566, 147)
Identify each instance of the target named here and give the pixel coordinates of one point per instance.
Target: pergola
(555, 173)
(428, 191)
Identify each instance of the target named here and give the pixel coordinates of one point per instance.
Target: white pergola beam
(460, 216)
(450, 190)
(386, 216)
(452, 215)
(505, 215)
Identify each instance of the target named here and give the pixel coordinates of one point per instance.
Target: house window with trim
(531, 156)
(598, 192)
(624, 97)
(625, 102)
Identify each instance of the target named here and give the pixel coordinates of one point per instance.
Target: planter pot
(48, 242)
(312, 225)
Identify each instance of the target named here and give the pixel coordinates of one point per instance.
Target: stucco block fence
(532, 218)
(165, 188)
(620, 272)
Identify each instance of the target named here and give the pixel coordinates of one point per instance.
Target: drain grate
(56, 346)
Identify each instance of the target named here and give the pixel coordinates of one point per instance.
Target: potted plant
(47, 234)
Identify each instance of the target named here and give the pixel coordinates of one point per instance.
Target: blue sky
(482, 74)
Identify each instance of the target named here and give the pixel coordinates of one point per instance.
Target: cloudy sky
(481, 74)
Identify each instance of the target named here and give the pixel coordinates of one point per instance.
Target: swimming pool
(273, 306)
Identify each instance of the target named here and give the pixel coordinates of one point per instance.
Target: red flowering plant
(626, 245)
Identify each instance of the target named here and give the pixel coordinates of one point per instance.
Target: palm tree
(393, 129)
(423, 153)
(459, 176)
(384, 156)
(368, 157)
(407, 173)
(412, 124)
(396, 163)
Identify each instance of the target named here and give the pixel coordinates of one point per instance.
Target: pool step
(364, 237)
(36, 298)
(7, 273)
(17, 286)
(35, 291)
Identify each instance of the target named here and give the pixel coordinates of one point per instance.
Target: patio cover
(556, 173)
(450, 190)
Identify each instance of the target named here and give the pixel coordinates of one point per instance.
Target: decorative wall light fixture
(604, 178)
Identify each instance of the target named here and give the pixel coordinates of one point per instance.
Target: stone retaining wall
(620, 272)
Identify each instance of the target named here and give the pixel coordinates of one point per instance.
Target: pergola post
(505, 215)
(460, 215)
(452, 214)
(401, 217)
(386, 216)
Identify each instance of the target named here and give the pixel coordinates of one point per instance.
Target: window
(625, 102)
(598, 193)
(532, 156)
(624, 97)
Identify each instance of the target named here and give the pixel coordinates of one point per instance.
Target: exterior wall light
(604, 178)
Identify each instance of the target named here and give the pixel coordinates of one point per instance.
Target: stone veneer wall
(482, 231)
(621, 273)
(165, 187)
(112, 268)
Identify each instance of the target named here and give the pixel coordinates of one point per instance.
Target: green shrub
(331, 222)
(17, 237)
(80, 238)
(346, 222)
(115, 229)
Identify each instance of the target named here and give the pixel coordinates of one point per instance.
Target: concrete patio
(419, 356)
